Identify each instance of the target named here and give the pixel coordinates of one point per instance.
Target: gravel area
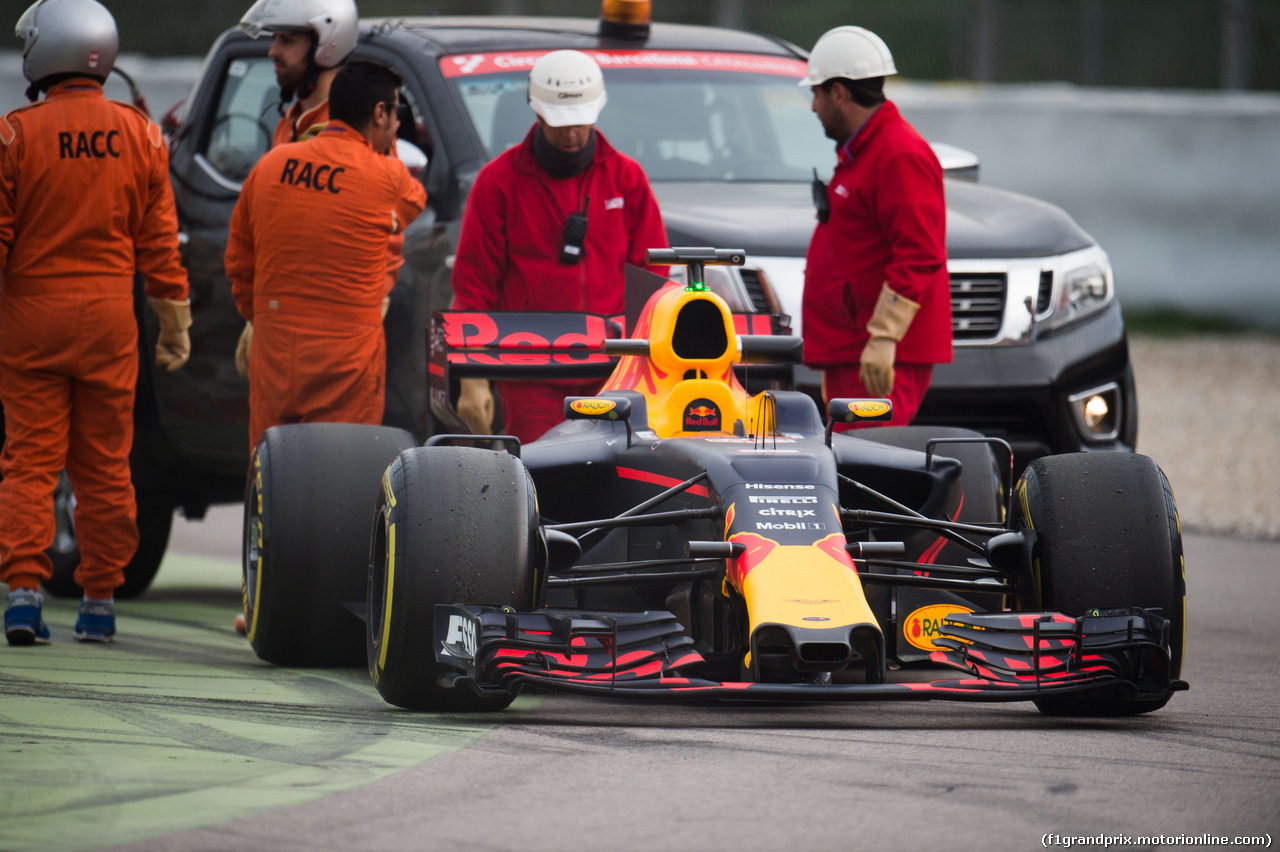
(1209, 414)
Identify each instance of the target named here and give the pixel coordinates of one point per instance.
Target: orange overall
(298, 126)
(306, 256)
(85, 202)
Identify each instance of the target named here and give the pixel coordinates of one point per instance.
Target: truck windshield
(684, 121)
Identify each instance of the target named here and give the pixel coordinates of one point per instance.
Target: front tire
(454, 525)
(306, 538)
(1107, 535)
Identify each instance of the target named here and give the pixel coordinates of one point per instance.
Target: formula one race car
(678, 538)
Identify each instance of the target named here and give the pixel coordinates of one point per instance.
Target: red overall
(509, 254)
(85, 202)
(887, 225)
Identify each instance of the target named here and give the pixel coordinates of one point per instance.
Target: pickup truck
(726, 136)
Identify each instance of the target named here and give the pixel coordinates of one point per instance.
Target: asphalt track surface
(178, 738)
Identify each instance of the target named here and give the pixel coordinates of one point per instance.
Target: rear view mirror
(412, 156)
(956, 162)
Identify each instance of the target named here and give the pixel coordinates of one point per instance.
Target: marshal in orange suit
(85, 203)
(309, 42)
(307, 259)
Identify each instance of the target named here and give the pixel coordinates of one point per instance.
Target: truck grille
(1044, 296)
(977, 305)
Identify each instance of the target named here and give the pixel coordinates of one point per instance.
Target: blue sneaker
(97, 621)
(23, 622)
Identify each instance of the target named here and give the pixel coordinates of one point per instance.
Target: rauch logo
(924, 625)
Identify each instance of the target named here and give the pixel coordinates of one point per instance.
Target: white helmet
(335, 23)
(849, 52)
(67, 37)
(566, 87)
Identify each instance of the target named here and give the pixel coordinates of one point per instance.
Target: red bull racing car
(681, 538)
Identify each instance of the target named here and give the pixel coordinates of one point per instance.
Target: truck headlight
(1084, 290)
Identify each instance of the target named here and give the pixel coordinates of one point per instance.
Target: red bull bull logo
(701, 415)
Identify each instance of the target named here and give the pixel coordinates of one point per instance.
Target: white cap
(566, 87)
(853, 53)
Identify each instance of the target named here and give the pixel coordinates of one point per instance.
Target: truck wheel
(155, 520)
(454, 525)
(310, 490)
(64, 553)
(1107, 535)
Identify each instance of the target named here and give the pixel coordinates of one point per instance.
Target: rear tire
(1107, 535)
(980, 501)
(308, 497)
(979, 477)
(454, 525)
(981, 498)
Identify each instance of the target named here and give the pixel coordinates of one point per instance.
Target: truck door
(203, 409)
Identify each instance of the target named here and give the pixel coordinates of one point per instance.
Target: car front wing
(646, 655)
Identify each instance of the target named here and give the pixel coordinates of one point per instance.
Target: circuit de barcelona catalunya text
(679, 538)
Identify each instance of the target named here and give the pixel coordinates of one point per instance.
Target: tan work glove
(174, 345)
(475, 405)
(243, 346)
(889, 322)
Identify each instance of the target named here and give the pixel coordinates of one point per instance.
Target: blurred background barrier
(1194, 44)
(1181, 188)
